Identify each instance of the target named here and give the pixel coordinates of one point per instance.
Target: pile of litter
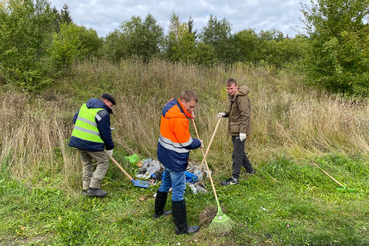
(153, 171)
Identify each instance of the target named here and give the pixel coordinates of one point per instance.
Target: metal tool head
(141, 183)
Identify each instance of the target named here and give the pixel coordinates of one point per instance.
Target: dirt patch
(50, 96)
(25, 240)
(207, 215)
(145, 198)
(2, 81)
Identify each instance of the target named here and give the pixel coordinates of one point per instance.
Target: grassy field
(287, 202)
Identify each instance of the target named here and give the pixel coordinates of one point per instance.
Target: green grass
(287, 202)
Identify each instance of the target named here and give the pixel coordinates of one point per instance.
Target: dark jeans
(239, 157)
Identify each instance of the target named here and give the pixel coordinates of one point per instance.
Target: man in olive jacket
(239, 127)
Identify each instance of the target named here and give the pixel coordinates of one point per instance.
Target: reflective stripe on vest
(86, 127)
(176, 147)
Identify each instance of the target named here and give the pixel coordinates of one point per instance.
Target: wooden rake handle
(205, 154)
(211, 141)
(327, 174)
(197, 135)
(121, 168)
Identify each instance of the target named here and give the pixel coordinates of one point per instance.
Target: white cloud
(106, 16)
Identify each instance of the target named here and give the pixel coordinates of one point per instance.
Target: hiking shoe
(84, 192)
(96, 192)
(230, 181)
(248, 172)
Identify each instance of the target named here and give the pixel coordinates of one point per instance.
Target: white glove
(222, 114)
(202, 143)
(242, 136)
(109, 153)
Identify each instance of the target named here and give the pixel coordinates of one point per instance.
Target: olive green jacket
(239, 113)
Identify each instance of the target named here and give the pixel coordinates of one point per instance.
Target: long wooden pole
(205, 154)
(121, 168)
(327, 174)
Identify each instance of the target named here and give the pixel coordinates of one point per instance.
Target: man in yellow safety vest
(91, 135)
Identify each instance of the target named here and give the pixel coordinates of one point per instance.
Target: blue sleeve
(194, 145)
(104, 128)
(75, 117)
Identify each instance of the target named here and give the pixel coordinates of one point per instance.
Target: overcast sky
(105, 16)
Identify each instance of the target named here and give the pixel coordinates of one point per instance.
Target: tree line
(39, 43)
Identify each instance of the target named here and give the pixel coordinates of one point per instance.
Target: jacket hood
(97, 103)
(243, 90)
(171, 110)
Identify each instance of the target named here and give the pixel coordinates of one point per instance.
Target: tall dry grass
(33, 137)
(287, 117)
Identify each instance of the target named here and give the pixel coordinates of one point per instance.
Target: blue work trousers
(176, 180)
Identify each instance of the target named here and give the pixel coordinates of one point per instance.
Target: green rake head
(345, 189)
(221, 223)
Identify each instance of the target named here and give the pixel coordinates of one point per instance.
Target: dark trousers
(239, 157)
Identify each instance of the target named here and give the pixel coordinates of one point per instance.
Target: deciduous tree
(339, 37)
(180, 42)
(25, 34)
(142, 38)
(217, 34)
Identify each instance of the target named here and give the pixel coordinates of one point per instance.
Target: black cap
(108, 97)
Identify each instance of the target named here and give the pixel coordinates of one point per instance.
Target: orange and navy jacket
(175, 140)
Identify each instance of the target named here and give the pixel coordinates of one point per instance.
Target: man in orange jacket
(174, 145)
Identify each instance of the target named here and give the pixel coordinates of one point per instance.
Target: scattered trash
(153, 171)
(207, 175)
(192, 168)
(193, 188)
(264, 209)
(142, 176)
(197, 187)
(190, 177)
(151, 166)
(153, 181)
(139, 164)
(194, 175)
(200, 187)
(133, 159)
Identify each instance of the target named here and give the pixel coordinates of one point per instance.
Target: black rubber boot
(160, 201)
(180, 218)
